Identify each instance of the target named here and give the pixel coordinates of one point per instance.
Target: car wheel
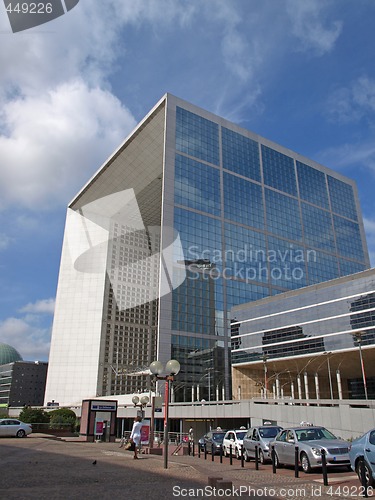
(261, 457)
(305, 463)
(368, 474)
(246, 456)
(21, 433)
(277, 461)
(237, 453)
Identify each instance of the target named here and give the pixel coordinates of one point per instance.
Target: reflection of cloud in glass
(108, 234)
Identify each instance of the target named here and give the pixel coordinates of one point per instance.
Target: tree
(34, 415)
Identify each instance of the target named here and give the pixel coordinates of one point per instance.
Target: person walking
(135, 434)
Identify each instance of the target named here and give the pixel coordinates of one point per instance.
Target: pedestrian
(191, 434)
(135, 434)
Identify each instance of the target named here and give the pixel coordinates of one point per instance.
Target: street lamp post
(141, 403)
(171, 368)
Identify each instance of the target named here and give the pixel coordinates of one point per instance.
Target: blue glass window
(197, 185)
(323, 268)
(200, 236)
(342, 198)
(240, 292)
(287, 264)
(283, 216)
(240, 154)
(318, 228)
(348, 238)
(278, 171)
(245, 253)
(312, 185)
(193, 304)
(197, 136)
(243, 201)
(348, 267)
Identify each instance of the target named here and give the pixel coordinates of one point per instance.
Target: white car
(234, 438)
(11, 427)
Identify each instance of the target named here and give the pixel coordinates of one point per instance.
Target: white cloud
(31, 342)
(346, 155)
(310, 27)
(5, 241)
(40, 306)
(354, 102)
(56, 140)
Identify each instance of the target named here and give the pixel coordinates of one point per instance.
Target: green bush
(34, 415)
(63, 418)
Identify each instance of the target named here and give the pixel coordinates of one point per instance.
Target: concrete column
(306, 382)
(317, 386)
(217, 393)
(292, 389)
(299, 386)
(339, 387)
(277, 388)
(198, 398)
(192, 393)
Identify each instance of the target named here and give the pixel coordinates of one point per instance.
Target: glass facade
(331, 318)
(253, 222)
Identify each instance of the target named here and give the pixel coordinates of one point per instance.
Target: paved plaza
(41, 468)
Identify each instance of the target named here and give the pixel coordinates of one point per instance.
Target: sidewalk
(42, 468)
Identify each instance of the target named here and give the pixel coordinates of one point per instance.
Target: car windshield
(269, 432)
(218, 436)
(240, 435)
(314, 434)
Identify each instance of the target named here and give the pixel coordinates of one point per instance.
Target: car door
(280, 444)
(7, 428)
(369, 451)
(247, 442)
(230, 442)
(289, 447)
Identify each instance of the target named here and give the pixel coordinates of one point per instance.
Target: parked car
(260, 436)
(310, 441)
(235, 439)
(212, 439)
(13, 427)
(363, 450)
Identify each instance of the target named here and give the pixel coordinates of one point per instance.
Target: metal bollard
(256, 458)
(230, 455)
(296, 462)
(189, 448)
(212, 452)
(221, 453)
(193, 446)
(324, 468)
(273, 457)
(205, 451)
(242, 457)
(199, 450)
(363, 478)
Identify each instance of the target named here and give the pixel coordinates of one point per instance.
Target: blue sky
(299, 72)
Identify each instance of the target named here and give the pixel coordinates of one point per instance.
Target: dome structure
(8, 354)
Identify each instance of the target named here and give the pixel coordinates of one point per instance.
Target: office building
(316, 342)
(22, 383)
(190, 216)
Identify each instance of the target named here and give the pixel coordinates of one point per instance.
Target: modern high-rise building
(189, 217)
